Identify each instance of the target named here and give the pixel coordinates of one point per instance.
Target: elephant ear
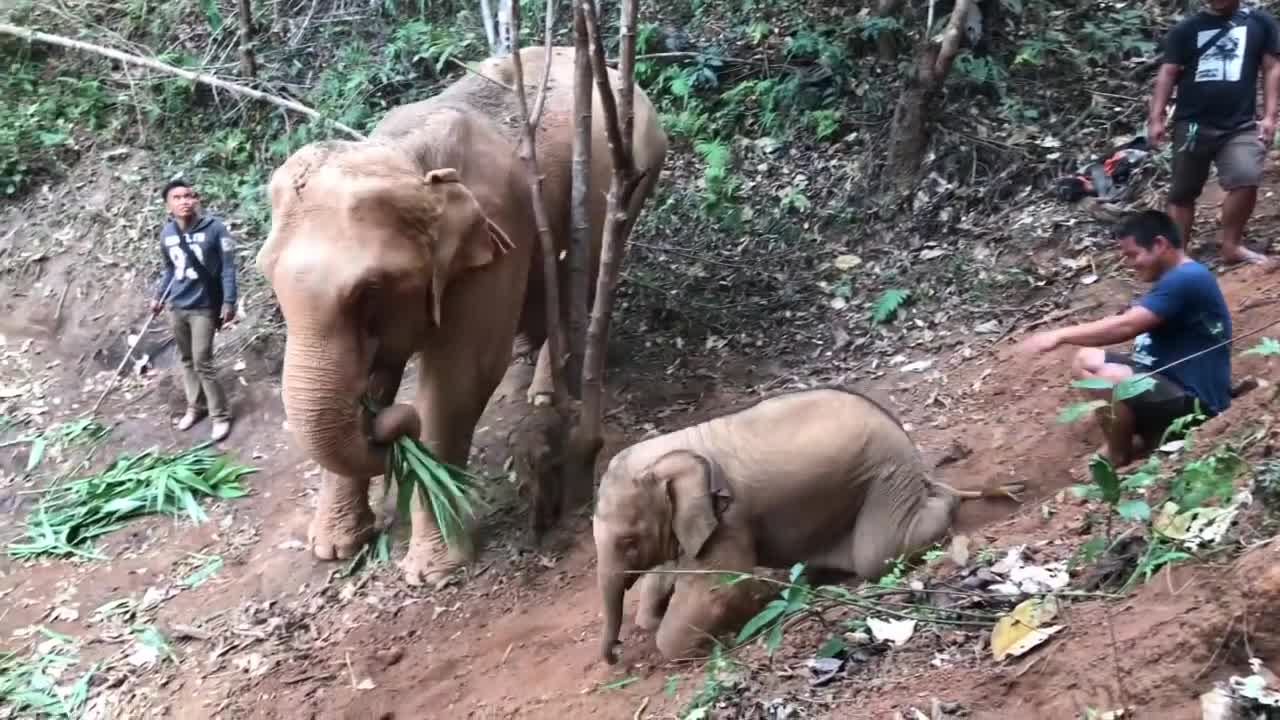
(461, 236)
(698, 495)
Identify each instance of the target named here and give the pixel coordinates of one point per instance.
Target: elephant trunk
(323, 398)
(613, 588)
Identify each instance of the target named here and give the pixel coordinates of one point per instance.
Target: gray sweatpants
(193, 332)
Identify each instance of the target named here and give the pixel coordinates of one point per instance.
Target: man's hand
(1156, 132)
(1267, 131)
(228, 313)
(156, 307)
(1041, 342)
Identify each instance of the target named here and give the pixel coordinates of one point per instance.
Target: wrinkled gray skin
(825, 477)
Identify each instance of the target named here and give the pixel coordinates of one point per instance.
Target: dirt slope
(276, 634)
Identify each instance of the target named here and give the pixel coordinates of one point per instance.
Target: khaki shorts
(1238, 155)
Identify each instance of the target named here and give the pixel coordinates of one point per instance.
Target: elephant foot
(339, 536)
(426, 564)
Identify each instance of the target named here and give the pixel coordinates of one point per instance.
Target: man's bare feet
(1238, 255)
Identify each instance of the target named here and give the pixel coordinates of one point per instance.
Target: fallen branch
(31, 35)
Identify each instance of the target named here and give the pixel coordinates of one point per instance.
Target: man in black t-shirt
(1213, 57)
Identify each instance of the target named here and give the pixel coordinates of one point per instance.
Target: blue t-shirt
(1193, 317)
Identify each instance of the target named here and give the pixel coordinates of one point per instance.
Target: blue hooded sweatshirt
(213, 246)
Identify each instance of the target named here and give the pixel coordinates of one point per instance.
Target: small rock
(389, 657)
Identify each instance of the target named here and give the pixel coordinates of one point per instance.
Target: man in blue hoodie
(199, 285)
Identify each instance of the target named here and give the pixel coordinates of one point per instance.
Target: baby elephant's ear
(697, 490)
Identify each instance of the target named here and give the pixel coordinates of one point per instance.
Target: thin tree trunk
(248, 63)
(588, 436)
(627, 69)
(886, 42)
(546, 489)
(580, 216)
(505, 32)
(486, 15)
(909, 137)
(29, 34)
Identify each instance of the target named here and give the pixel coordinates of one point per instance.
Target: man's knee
(1087, 362)
(1241, 162)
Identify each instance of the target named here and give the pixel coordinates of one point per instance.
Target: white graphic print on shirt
(1142, 351)
(179, 258)
(1224, 61)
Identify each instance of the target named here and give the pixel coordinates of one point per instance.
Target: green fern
(888, 304)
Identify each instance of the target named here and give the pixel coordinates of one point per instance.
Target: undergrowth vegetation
(778, 115)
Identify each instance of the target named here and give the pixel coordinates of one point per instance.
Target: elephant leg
(655, 593)
(702, 605)
(882, 534)
(343, 521)
(701, 608)
(930, 524)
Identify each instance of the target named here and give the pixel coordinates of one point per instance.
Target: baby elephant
(824, 476)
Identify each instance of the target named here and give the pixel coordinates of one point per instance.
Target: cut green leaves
(451, 492)
(68, 517)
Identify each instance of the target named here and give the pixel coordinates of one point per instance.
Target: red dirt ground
(277, 634)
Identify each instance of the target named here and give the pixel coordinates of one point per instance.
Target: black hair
(1145, 226)
(174, 183)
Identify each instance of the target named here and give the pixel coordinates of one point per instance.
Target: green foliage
(1267, 347)
(32, 685)
(1209, 478)
(889, 303)
(1128, 388)
(719, 677)
(451, 492)
(46, 118)
(69, 517)
(795, 598)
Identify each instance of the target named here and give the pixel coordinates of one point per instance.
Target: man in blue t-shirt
(1213, 57)
(1182, 317)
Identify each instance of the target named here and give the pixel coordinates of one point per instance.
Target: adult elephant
(421, 241)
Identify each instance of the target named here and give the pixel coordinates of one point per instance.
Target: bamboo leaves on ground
(69, 517)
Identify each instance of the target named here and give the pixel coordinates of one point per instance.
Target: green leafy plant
(1124, 390)
(888, 304)
(795, 598)
(69, 517)
(1266, 347)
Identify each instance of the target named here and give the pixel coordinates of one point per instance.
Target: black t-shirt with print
(1219, 89)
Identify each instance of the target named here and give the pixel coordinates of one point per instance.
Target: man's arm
(227, 251)
(1270, 80)
(1110, 330)
(1176, 54)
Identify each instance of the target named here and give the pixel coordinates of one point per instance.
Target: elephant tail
(1003, 490)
